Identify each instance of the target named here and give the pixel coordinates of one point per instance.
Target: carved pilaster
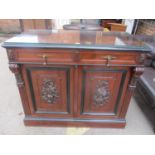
(15, 68)
(131, 87)
(136, 74)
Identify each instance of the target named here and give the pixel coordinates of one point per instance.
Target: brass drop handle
(45, 57)
(109, 58)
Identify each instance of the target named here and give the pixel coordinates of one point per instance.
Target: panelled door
(82, 92)
(101, 91)
(50, 90)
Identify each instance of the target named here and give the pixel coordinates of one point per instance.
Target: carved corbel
(15, 68)
(142, 58)
(137, 72)
(11, 54)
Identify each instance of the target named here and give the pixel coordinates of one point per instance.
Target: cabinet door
(102, 90)
(49, 90)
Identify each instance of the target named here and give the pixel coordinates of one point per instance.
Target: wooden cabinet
(71, 85)
(75, 88)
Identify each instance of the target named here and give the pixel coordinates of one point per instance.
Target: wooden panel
(27, 24)
(118, 27)
(50, 90)
(40, 24)
(101, 91)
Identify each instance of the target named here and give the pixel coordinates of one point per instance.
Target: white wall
(58, 23)
(130, 24)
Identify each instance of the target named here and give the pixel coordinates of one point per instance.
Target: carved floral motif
(16, 69)
(49, 92)
(101, 94)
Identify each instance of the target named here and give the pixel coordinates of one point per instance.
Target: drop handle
(109, 58)
(45, 57)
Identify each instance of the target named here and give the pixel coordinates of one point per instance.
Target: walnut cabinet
(74, 86)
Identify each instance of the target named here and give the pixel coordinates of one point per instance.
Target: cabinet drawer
(67, 56)
(46, 56)
(109, 58)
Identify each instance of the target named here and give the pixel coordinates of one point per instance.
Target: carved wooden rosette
(49, 92)
(136, 74)
(15, 68)
(101, 94)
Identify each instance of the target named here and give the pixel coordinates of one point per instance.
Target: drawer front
(108, 58)
(46, 56)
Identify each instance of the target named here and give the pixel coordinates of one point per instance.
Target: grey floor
(11, 113)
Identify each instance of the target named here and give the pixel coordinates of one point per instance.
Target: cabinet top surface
(73, 39)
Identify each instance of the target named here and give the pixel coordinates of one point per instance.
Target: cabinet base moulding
(106, 123)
